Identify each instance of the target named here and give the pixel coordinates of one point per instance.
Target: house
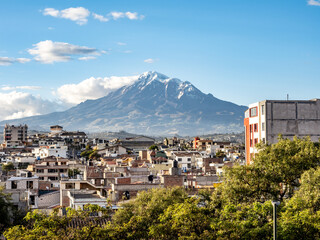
(52, 150)
(184, 160)
(23, 191)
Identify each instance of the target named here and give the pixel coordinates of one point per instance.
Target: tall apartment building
(265, 120)
(14, 136)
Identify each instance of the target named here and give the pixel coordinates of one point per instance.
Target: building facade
(14, 136)
(265, 120)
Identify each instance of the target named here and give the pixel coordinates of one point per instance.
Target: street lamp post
(275, 204)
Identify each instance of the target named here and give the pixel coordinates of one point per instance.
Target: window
(250, 128)
(29, 184)
(52, 178)
(189, 159)
(256, 127)
(255, 141)
(253, 112)
(13, 184)
(52, 170)
(262, 109)
(179, 159)
(189, 165)
(262, 126)
(250, 142)
(70, 186)
(40, 171)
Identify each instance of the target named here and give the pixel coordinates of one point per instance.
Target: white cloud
(87, 58)
(23, 60)
(117, 15)
(49, 52)
(129, 15)
(100, 17)
(8, 88)
(92, 88)
(121, 44)
(79, 14)
(19, 104)
(314, 2)
(149, 60)
(6, 61)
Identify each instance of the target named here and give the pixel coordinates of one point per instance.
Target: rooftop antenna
(287, 97)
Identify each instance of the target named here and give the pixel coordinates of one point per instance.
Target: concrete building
(14, 136)
(265, 120)
(48, 151)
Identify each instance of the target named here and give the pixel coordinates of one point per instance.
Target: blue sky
(52, 51)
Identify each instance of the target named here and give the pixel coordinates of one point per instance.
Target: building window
(70, 186)
(189, 159)
(179, 159)
(262, 109)
(250, 142)
(262, 126)
(256, 127)
(52, 170)
(40, 171)
(29, 184)
(13, 184)
(52, 178)
(253, 112)
(250, 128)
(255, 141)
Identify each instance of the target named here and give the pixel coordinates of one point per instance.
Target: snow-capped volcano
(154, 104)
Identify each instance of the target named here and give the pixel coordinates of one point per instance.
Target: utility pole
(275, 204)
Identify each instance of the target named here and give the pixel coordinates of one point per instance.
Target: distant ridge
(155, 104)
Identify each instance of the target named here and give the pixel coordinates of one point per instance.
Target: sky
(55, 54)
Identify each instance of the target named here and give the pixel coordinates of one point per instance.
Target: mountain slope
(154, 104)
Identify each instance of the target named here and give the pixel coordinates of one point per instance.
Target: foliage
(274, 173)
(136, 217)
(41, 226)
(94, 155)
(86, 153)
(7, 167)
(9, 214)
(153, 147)
(73, 172)
(220, 154)
(301, 217)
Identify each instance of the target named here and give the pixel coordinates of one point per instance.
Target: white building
(52, 150)
(184, 160)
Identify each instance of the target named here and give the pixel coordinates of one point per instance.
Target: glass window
(262, 126)
(262, 109)
(253, 112)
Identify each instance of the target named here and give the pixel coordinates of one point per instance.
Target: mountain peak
(151, 76)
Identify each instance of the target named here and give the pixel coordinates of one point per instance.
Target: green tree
(73, 172)
(134, 220)
(8, 167)
(94, 155)
(153, 147)
(41, 226)
(220, 154)
(301, 217)
(274, 173)
(86, 153)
